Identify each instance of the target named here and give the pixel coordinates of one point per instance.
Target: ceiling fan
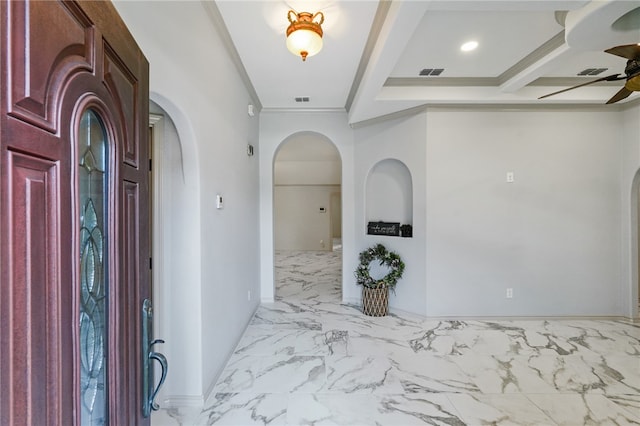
(631, 73)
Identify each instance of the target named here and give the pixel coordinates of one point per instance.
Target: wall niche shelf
(389, 200)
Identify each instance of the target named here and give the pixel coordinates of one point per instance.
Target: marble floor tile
(505, 409)
(503, 374)
(584, 409)
(307, 359)
(244, 409)
(273, 374)
(425, 373)
(355, 374)
(629, 402)
(362, 409)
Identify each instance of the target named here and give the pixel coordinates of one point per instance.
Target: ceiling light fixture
(469, 46)
(304, 35)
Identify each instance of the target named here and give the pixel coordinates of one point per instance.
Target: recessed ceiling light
(469, 46)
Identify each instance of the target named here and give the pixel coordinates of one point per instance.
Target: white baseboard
(356, 301)
(184, 400)
(185, 409)
(351, 301)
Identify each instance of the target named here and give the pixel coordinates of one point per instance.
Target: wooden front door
(73, 215)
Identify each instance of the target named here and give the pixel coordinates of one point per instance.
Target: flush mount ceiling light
(304, 35)
(469, 46)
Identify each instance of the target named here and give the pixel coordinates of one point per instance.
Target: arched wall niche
(389, 193)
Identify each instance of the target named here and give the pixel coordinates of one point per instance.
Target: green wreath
(390, 259)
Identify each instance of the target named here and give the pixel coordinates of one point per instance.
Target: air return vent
(302, 99)
(593, 71)
(434, 72)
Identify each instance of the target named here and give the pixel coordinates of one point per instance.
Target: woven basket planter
(375, 301)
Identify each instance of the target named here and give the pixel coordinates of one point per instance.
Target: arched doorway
(307, 187)
(635, 246)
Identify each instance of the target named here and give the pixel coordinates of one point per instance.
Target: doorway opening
(307, 211)
(167, 203)
(634, 306)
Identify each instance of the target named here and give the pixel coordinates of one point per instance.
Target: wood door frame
(158, 272)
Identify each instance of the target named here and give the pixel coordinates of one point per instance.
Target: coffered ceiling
(374, 52)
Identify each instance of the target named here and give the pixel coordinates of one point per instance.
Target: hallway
(306, 359)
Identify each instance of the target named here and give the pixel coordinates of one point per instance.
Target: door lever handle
(163, 363)
(149, 392)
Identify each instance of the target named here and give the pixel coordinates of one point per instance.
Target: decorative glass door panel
(92, 183)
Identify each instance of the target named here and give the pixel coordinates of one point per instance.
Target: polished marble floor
(308, 360)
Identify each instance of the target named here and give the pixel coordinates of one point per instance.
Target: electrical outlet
(509, 293)
(510, 177)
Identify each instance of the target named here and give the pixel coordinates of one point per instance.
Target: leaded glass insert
(92, 180)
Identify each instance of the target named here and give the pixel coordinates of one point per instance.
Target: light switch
(219, 204)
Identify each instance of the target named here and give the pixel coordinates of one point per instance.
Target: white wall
(219, 264)
(336, 214)
(554, 235)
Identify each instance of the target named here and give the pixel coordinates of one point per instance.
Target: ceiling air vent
(434, 72)
(592, 71)
(302, 99)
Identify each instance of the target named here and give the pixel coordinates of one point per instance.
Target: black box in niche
(384, 228)
(406, 230)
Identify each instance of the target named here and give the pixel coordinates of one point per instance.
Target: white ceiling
(524, 52)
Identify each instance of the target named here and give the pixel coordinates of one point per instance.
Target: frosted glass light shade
(302, 41)
(304, 35)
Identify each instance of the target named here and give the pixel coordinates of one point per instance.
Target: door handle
(149, 391)
(163, 364)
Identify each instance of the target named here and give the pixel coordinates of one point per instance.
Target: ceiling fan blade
(622, 93)
(612, 77)
(628, 51)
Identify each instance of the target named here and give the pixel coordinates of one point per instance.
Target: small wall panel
(124, 87)
(35, 55)
(32, 294)
(128, 319)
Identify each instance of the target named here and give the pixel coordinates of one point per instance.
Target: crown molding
(374, 34)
